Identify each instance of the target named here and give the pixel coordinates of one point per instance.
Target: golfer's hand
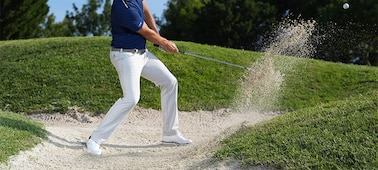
(170, 47)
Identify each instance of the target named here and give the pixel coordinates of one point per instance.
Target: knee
(130, 100)
(171, 82)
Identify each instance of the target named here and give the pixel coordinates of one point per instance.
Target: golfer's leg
(155, 71)
(129, 70)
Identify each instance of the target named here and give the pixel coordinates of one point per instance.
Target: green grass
(331, 123)
(338, 135)
(331, 109)
(49, 75)
(18, 134)
(315, 82)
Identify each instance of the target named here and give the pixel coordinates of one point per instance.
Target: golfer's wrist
(165, 43)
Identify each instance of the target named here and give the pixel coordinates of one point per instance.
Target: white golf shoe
(179, 139)
(93, 147)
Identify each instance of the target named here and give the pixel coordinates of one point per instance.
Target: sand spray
(260, 87)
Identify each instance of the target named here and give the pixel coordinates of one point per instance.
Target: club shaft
(213, 59)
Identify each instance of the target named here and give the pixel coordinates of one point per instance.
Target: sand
(136, 143)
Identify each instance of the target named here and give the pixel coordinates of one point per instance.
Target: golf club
(211, 59)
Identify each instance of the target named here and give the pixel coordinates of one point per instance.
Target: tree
(61, 29)
(231, 23)
(234, 23)
(343, 35)
(85, 22)
(22, 19)
(347, 35)
(180, 17)
(355, 30)
(88, 22)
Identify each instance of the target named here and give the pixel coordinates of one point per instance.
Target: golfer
(132, 24)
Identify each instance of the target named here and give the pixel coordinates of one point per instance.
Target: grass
(337, 135)
(50, 75)
(18, 133)
(331, 109)
(316, 82)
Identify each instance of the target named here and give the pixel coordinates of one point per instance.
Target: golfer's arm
(152, 36)
(148, 18)
(155, 38)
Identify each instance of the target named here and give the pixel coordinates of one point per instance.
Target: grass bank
(331, 121)
(18, 133)
(340, 134)
(330, 108)
(50, 75)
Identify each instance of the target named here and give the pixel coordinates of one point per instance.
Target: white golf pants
(130, 67)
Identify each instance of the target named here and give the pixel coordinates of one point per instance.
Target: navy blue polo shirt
(127, 17)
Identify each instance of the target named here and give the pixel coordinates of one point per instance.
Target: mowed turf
(49, 75)
(330, 119)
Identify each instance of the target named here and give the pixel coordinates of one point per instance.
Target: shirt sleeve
(131, 19)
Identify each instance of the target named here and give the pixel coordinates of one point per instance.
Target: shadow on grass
(22, 125)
